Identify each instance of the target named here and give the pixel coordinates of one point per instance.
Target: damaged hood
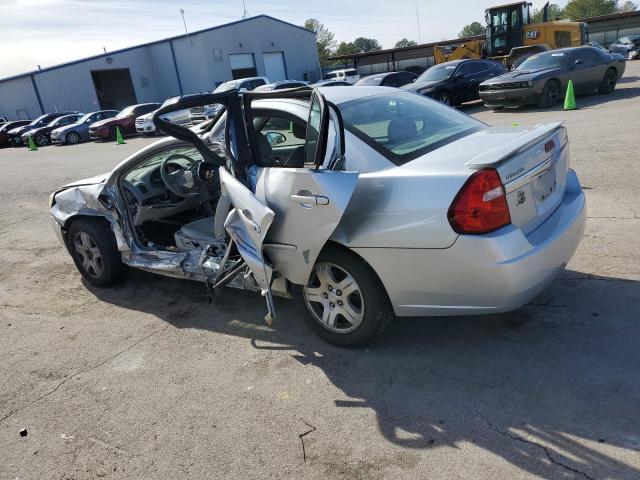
(88, 181)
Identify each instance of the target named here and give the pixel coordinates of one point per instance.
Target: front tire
(443, 97)
(609, 82)
(345, 301)
(72, 138)
(550, 94)
(95, 252)
(42, 140)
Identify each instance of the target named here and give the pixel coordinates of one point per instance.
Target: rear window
(350, 73)
(371, 80)
(331, 75)
(404, 126)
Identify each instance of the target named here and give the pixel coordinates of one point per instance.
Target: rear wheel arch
(377, 312)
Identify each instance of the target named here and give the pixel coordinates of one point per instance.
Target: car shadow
(539, 387)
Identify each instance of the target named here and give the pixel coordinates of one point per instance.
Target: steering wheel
(181, 181)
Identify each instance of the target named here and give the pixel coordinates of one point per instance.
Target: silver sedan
(365, 203)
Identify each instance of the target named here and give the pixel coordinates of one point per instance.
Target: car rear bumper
(509, 97)
(491, 273)
(102, 134)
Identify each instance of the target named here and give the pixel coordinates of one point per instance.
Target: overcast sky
(47, 32)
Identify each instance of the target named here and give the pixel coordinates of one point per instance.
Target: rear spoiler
(513, 147)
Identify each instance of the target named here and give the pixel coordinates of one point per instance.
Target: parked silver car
(367, 202)
(78, 131)
(145, 125)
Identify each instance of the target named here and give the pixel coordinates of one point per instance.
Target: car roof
(342, 94)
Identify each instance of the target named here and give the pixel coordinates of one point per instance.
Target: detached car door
(287, 221)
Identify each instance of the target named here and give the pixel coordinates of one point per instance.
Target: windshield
(404, 126)
(126, 112)
(41, 120)
(543, 60)
(226, 86)
(437, 73)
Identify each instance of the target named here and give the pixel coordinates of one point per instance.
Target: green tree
(324, 38)
(346, 48)
(576, 9)
(472, 29)
(365, 45)
(628, 7)
(405, 43)
(555, 11)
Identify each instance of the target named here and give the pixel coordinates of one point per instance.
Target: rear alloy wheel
(95, 253)
(609, 82)
(346, 302)
(443, 97)
(550, 94)
(72, 138)
(42, 140)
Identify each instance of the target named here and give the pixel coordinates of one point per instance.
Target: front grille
(504, 86)
(139, 122)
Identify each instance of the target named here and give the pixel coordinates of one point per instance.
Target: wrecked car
(365, 203)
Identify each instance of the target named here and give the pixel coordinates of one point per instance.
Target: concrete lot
(147, 380)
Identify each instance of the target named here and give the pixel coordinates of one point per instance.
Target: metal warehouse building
(256, 46)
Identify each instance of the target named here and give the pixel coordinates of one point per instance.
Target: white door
(274, 66)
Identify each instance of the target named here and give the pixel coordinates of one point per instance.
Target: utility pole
(185, 26)
(418, 20)
(245, 14)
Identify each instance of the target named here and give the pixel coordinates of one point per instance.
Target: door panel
(247, 224)
(308, 206)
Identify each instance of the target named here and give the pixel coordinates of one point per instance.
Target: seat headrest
(299, 131)
(400, 129)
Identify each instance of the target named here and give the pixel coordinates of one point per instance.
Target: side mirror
(275, 138)
(458, 76)
(243, 90)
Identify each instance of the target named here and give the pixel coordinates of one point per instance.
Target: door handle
(310, 199)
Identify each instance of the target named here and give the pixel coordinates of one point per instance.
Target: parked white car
(349, 75)
(366, 202)
(144, 123)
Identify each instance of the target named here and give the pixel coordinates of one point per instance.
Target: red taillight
(481, 204)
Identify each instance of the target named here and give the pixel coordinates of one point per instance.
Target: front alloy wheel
(95, 252)
(42, 140)
(73, 138)
(443, 97)
(88, 254)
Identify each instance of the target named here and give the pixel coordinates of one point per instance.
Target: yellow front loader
(510, 35)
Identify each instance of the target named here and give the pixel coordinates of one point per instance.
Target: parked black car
(543, 78)
(15, 135)
(388, 79)
(6, 127)
(455, 82)
(42, 135)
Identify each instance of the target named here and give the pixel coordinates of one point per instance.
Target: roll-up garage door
(274, 66)
(242, 65)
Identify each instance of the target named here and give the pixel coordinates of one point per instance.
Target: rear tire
(351, 318)
(550, 94)
(72, 138)
(496, 108)
(93, 247)
(609, 82)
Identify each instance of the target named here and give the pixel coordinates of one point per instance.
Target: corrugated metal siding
(607, 31)
(70, 86)
(18, 94)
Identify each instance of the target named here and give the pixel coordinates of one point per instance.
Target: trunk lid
(534, 178)
(533, 167)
